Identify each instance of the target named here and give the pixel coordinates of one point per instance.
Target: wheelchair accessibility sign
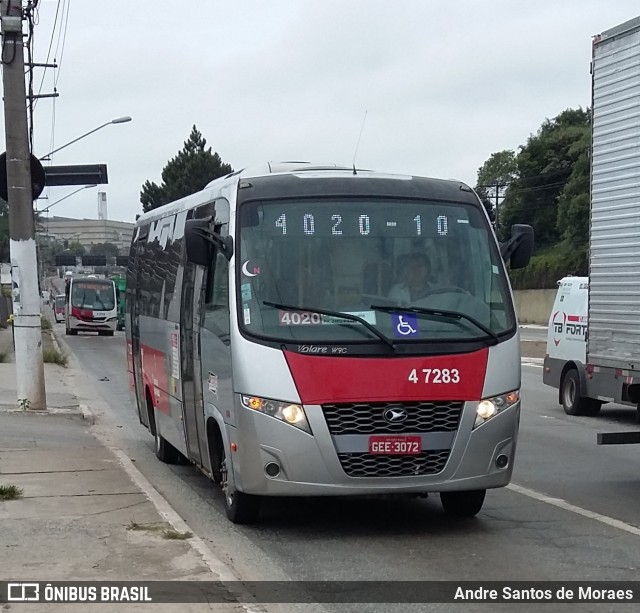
(405, 325)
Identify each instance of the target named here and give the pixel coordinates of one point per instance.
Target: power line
(53, 32)
(64, 40)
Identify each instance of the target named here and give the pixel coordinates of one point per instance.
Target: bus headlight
(490, 407)
(288, 412)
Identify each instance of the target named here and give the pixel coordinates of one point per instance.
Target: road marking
(215, 564)
(567, 506)
(537, 362)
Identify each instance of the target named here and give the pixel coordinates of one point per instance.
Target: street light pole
(27, 329)
(65, 197)
(75, 140)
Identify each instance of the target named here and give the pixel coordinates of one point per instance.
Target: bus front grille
(368, 465)
(369, 418)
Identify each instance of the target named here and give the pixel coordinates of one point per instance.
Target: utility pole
(24, 265)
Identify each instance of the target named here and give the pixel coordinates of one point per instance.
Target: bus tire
(462, 504)
(240, 508)
(572, 402)
(165, 451)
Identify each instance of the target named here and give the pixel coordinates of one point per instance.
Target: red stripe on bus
(322, 379)
(154, 376)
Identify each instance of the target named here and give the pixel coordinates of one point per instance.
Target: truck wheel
(462, 504)
(240, 508)
(572, 402)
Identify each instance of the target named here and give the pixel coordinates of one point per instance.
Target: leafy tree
(76, 247)
(107, 249)
(544, 166)
(574, 201)
(494, 176)
(188, 172)
(48, 251)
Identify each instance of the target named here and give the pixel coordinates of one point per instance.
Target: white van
(566, 357)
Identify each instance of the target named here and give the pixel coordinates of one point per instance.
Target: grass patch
(51, 355)
(163, 529)
(10, 492)
(45, 323)
(175, 535)
(3, 356)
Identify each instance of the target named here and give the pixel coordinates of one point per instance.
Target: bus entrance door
(192, 405)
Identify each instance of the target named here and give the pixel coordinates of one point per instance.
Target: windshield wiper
(347, 316)
(438, 313)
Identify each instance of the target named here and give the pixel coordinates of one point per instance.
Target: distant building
(88, 231)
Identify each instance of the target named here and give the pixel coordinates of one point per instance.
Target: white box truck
(593, 349)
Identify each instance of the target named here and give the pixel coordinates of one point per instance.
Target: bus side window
(216, 301)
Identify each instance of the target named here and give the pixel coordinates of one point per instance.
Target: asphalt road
(571, 513)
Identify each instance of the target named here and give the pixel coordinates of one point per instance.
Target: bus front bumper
(86, 325)
(318, 465)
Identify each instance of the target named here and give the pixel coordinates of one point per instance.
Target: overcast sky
(443, 84)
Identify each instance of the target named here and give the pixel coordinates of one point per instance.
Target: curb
(85, 411)
(87, 415)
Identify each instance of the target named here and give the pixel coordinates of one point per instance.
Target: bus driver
(416, 284)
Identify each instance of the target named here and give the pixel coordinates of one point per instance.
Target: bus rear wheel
(240, 508)
(463, 504)
(165, 451)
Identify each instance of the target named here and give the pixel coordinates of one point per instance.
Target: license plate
(395, 445)
(99, 314)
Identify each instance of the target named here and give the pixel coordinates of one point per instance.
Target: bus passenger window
(215, 317)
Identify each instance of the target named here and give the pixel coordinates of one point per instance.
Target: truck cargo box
(614, 260)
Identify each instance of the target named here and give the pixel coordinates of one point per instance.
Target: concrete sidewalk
(81, 515)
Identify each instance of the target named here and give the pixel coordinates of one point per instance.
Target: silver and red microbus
(92, 306)
(315, 331)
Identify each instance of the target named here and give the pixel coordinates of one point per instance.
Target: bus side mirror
(519, 247)
(199, 238)
(198, 247)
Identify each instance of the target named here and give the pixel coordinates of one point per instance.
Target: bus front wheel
(463, 504)
(240, 508)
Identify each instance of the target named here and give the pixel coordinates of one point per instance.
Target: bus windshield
(399, 265)
(60, 300)
(93, 295)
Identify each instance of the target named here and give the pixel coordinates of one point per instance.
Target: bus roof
(282, 175)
